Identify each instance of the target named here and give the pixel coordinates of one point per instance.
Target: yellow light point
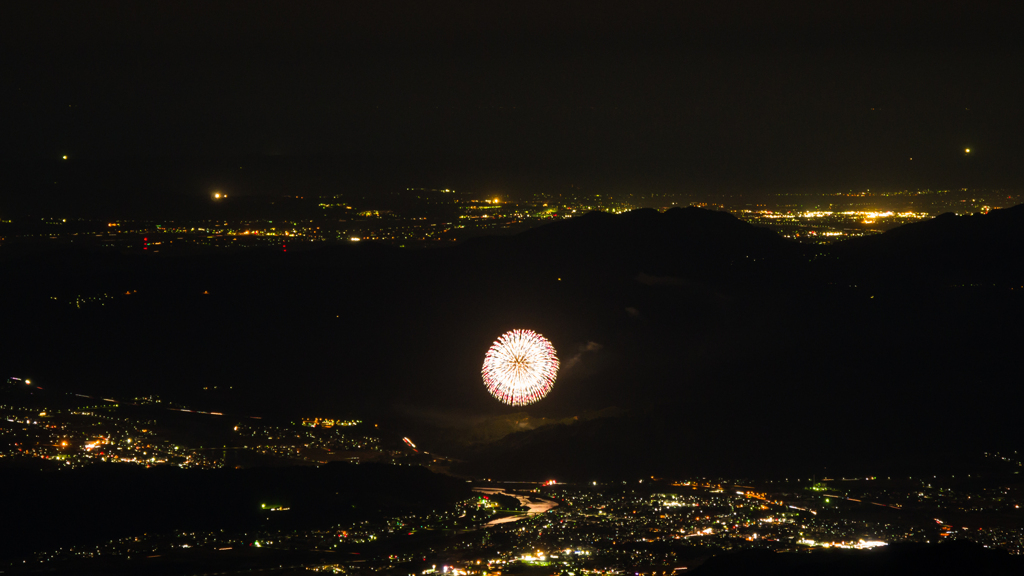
(64, 157)
(216, 195)
(967, 150)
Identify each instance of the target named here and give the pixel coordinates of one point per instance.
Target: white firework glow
(520, 367)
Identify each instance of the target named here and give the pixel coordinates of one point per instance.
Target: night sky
(678, 313)
(692, 96)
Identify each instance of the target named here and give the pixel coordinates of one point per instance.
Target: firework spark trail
(520, 367)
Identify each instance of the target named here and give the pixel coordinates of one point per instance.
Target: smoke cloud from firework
(578, 357)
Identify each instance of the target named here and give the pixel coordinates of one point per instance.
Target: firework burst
(520, 367)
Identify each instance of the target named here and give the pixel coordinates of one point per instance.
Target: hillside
(728, 345)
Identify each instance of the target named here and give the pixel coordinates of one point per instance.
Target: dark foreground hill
(725, 346)
(854, 360)
(98, 503)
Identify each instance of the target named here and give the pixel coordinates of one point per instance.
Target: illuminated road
(534, 504)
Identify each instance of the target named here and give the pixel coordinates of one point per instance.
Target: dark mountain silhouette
(726, 346)
(695, 243)
(948, 249)
(949, 231)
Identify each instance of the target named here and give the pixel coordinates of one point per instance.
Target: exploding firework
(520, 367)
